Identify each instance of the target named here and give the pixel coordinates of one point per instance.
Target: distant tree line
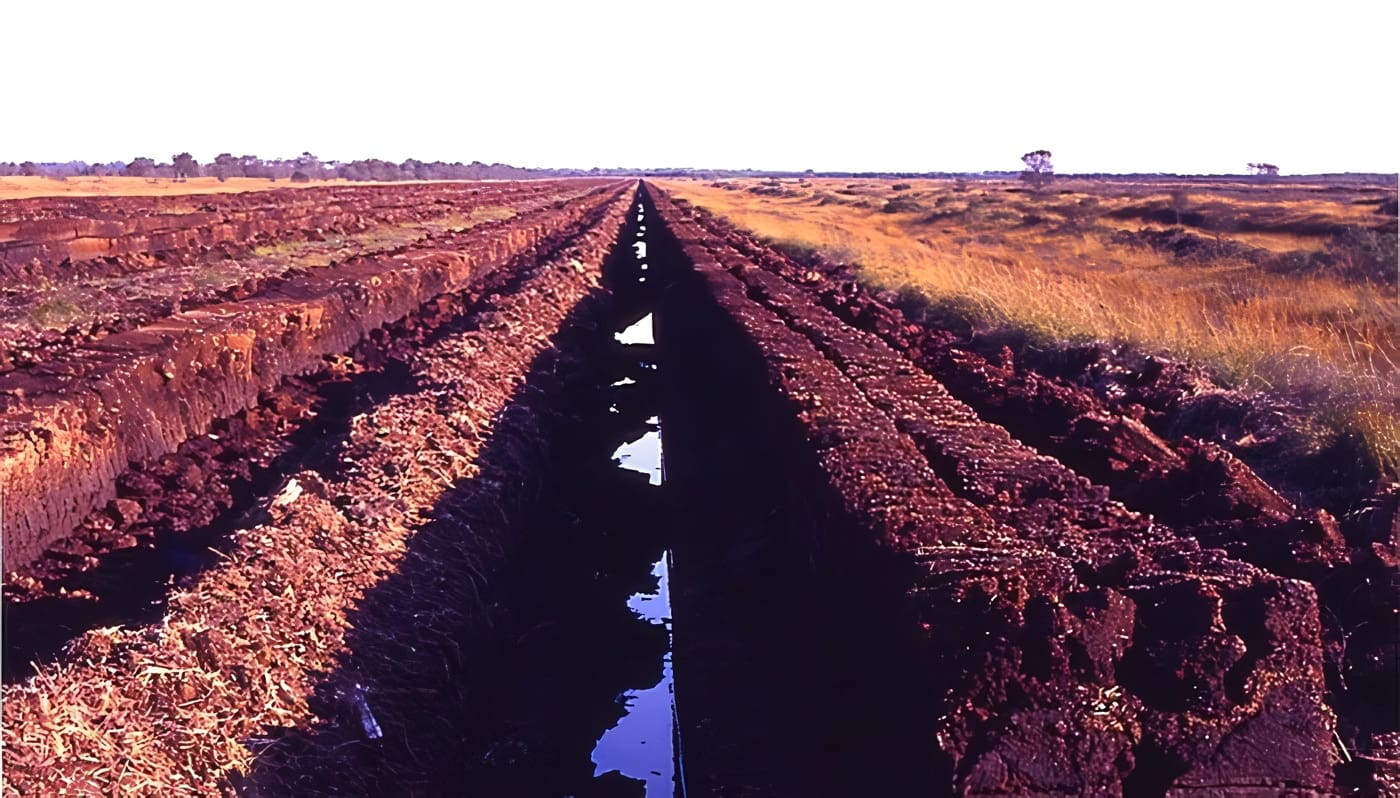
(308, 166)
(304, 168)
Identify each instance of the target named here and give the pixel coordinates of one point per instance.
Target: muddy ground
(405, 559)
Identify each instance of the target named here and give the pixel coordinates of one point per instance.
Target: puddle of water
(641, 745)
(639, 333)
(643, 454)
(655, 608)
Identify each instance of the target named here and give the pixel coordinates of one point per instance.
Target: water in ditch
(644, 744)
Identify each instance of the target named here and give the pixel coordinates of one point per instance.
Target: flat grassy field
(1274, 286)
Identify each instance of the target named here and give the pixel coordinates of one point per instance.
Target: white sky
(868, 85)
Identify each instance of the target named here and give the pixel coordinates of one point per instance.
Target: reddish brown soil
(195, 262)
(1136, 657)
(63, 239)
(238, 649)
(71, 427)
(901, 567)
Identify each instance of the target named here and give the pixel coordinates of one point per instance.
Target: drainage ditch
(559, 679)
(643, 747)
(524, 643)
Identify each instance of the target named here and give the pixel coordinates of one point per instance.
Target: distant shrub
(1181, 203)
(903, 205)
(1188, 246)
(1164, 213)
(1357, 253)
(300, 177)
(1081, 216)
(1365, 253)
(901, 187)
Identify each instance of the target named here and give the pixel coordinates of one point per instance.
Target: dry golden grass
(1048, 264)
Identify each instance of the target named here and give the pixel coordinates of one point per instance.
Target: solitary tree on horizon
(1039, 170)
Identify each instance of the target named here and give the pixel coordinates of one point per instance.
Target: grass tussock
(1275, 288)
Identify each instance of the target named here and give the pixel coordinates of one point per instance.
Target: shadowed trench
(797, 668)
(504, 647)
(523, 642)
(511, 653)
